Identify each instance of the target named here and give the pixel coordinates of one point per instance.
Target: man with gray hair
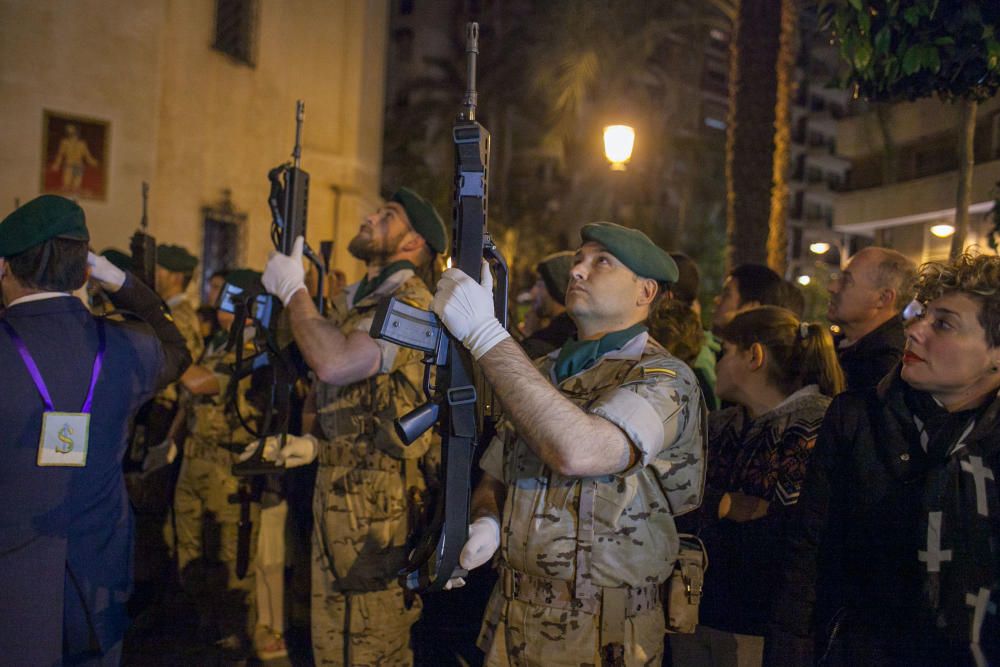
(865, 302)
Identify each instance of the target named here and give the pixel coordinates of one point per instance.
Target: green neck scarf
(578, 355)
(366, 287)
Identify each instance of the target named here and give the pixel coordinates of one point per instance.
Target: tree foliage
(908, 49)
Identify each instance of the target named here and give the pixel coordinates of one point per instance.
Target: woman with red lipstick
(895, 554)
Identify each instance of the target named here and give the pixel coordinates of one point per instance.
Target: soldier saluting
(600, 448)
(71, 385)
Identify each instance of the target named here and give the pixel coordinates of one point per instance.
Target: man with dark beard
(368, 482)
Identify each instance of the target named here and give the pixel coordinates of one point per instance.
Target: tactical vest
(357, 419)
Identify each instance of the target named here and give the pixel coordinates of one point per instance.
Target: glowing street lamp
(819, 248)
(942, 231)
(618, 143)
(804, 280)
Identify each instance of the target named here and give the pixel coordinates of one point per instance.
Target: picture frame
(75, 155)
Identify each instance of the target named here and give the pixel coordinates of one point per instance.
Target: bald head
(872, 288)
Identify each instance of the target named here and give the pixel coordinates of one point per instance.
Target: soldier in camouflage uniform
(601, 447)
(174, 269)
(149, 478)
(369, 483)
(206, 510)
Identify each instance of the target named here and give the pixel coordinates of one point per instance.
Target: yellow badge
(64, 439)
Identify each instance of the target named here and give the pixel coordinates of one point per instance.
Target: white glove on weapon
(284, 275)
(483, 542)
(270, 448)
(299, 450)
(466, 308)
(103, 271)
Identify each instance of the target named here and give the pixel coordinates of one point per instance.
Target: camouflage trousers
(359, 615)
(522, 633)
(207, 541)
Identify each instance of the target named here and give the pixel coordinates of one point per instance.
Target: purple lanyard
(36, 375)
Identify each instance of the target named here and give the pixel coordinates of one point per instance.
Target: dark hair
(756, 282)
(688, 280)
(977, 276)
(800, 353)
(676, 327)
(58, 265)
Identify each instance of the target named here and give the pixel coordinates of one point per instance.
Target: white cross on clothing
(934, 556)
(980, 473)
(981, 606)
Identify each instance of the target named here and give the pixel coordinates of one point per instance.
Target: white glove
(270, 448)
(103, 271)
(484, 540)
(299, 450)
(159, 456)
(466, 308)
(284, 274)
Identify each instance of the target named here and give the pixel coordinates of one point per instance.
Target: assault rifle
(143, 247)
(451, 404)
(288, 201)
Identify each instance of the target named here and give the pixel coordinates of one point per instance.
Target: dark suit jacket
(872, 357)
(66, 533)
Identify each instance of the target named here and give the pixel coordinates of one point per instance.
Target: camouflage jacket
(210, 420)
(357, 420)
(616, 529)
(186, 319)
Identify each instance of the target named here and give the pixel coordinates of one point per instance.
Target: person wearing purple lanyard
(71, 384)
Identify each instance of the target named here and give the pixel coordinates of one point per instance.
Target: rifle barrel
(300, 112)
(144, 223)
(471, 53)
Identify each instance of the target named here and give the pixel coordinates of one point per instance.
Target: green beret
(42, 218)
(119, 258)
(554, 271)
(424, 218)
(243, 278)
(175, 258)
(633, 249)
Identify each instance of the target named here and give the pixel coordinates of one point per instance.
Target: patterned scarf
(579, 355)
(958, 469)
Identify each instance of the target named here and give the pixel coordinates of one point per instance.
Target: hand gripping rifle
(451, 404)
(143, 247)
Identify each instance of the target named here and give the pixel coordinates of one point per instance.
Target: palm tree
(762, 54)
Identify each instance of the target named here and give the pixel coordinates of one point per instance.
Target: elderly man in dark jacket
(71, 385)
(865, 302)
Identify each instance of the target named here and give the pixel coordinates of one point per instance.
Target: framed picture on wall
(75, 153)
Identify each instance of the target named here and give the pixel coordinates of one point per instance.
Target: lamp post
(618, 143)
(820, 248)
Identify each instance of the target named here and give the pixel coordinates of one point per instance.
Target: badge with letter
(64, 439)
